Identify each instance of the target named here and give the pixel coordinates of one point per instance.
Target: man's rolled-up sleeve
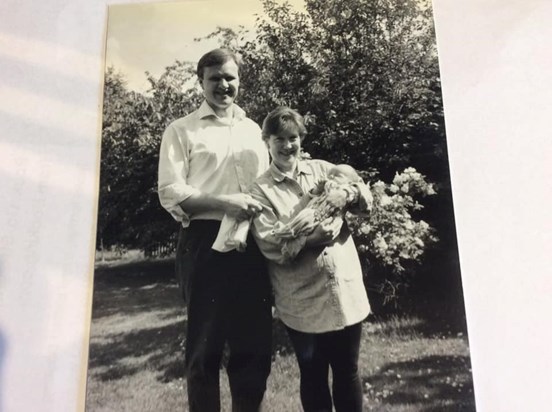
(172, 187)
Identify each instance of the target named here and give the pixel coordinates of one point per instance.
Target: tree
(365, 75)
(129, 213)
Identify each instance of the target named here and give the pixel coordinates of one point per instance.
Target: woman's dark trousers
(316, 353)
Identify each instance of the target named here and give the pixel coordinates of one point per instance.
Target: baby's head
(343, 174)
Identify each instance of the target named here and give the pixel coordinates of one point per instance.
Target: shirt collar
(279, 176)
(207, 111)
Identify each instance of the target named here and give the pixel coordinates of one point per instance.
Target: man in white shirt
(207, 161)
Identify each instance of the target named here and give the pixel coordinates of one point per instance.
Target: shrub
(389, 237)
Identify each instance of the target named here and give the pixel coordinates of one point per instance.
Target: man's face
(284, 149)
(221, 84)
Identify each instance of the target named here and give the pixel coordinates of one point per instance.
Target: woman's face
(284, 149)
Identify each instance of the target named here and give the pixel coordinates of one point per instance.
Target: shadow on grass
(125, 354)
(435, 319)
(144, 299)
(139, 322)
(432, 384)
(135, 287)
(138, 315)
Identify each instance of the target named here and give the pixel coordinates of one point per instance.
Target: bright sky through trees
(151, 36)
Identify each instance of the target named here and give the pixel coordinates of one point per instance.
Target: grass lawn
(407, 363)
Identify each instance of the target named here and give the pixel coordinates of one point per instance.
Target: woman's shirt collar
(279, 176)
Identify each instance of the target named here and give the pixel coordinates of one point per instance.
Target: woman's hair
(283, 119)
(216, 57)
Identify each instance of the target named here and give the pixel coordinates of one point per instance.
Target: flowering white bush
(389, 236)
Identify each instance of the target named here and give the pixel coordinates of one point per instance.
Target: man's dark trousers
(228, 297)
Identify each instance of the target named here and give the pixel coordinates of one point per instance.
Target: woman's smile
(284, 149)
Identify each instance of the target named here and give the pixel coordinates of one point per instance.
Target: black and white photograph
(213, 205)
(275, 223)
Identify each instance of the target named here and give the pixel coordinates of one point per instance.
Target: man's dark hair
(216, 57)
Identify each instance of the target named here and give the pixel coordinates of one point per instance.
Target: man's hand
(326, 232)
(241, 206)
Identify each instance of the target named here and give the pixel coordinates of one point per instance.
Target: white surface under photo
(365, 78)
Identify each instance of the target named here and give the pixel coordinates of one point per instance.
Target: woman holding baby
(314, 266)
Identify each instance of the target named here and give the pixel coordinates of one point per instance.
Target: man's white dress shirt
(204, 153)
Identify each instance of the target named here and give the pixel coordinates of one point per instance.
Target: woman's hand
(325, 233)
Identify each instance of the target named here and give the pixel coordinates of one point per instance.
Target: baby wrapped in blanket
(328, 200)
